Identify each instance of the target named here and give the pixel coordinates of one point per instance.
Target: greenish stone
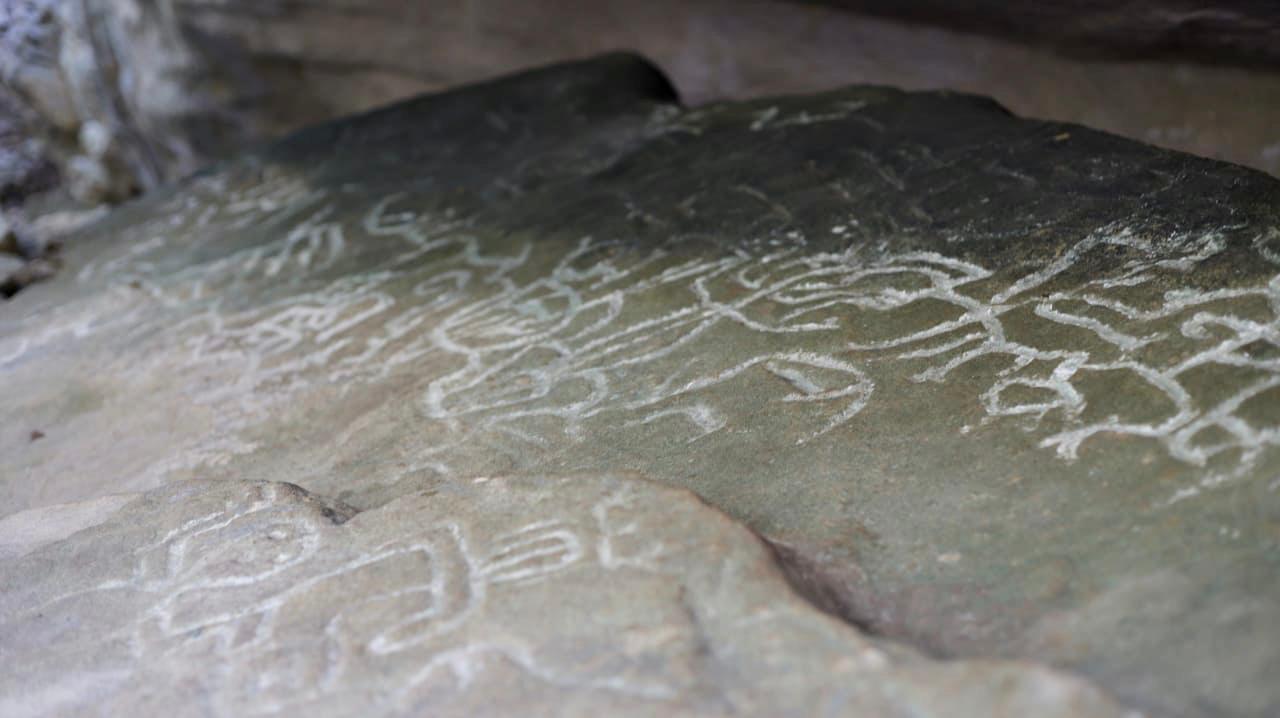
(992, 386)
(520, 596)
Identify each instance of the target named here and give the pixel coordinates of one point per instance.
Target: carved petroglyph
(964, 370)
(234, 598)
(472, 306)
(532, 347)
(233, 581)
(1126, 338)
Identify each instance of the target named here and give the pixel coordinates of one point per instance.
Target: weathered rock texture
(1241, 31)
(127, 94)
(571, 596)
(136, 91)
(996, 387)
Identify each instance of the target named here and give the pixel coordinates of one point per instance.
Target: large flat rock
(589, 595)
(996, 387)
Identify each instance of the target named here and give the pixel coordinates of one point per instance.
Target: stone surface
(10, 264)
(178, 83)
(8, 240)
(1242, 31)
(29, 248)
(16, 276)
(24, 168)
(569, 596)
(991, 386)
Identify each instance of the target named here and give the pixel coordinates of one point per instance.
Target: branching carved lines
(521, 341)
(982, 333)
(237, 587)
(532, 553)
(609, 551)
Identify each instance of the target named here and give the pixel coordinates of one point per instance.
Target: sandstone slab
(554, 596)
(996, 387)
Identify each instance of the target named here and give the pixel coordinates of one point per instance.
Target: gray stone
(182, 82)
(1237, 31)
(96, 140)
(52, 227)
(88, 180)
(10, 264)
(19, 275)
(565, 596)
(994, 387)
(8, 240)
(26, 531)
(24, 167)
(29, 247)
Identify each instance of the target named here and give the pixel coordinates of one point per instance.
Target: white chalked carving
(277, 603)
(534, 343)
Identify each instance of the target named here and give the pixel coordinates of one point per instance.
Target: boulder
(994, 387)
(532, 596)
